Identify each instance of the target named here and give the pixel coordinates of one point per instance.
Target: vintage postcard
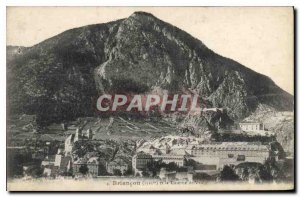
(150, 98)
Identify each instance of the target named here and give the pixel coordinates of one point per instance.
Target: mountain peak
(141, 13)
(144, 17)
(135, 55)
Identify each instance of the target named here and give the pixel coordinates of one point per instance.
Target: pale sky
(259, 38)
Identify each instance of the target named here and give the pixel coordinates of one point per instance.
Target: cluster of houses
(91, 164)
(56, 164)
(208, 157)
(66, 163)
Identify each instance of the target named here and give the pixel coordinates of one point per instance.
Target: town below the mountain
(247, 152)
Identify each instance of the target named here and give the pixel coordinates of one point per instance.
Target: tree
(245, 174)
(264, 174)
(228, 174)
(83, 169)
(145, 174)
(128, 172)
(137, 174)
(69, 172)
(192, 163)
(117, 172)
(172, 166)
(102, 170)
(36, 172)
(154, 167)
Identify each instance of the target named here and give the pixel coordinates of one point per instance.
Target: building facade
(251, 126)
(230, 153)
(168, 158)
(69, 142)
(140, 161)
(92, 164)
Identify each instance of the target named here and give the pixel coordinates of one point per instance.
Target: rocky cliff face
(279, 122)
(61, 77)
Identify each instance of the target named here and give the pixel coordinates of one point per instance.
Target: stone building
(78, 136)
(251, 126)
(140, 161)
(170, 158)
(92, 165)
(230, 153)
(69, 142)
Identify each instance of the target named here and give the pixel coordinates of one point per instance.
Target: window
(230, 155)
(241, 158)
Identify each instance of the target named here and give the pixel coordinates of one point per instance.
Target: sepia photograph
(150, 98)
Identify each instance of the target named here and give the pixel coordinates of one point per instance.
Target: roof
(232, 146)
(93, 160)
(178, 152)
(143, 155)
(248, 164)
(250, 122)
(117, 162)
(70, 138)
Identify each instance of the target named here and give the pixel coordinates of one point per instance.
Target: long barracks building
(229, 153)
